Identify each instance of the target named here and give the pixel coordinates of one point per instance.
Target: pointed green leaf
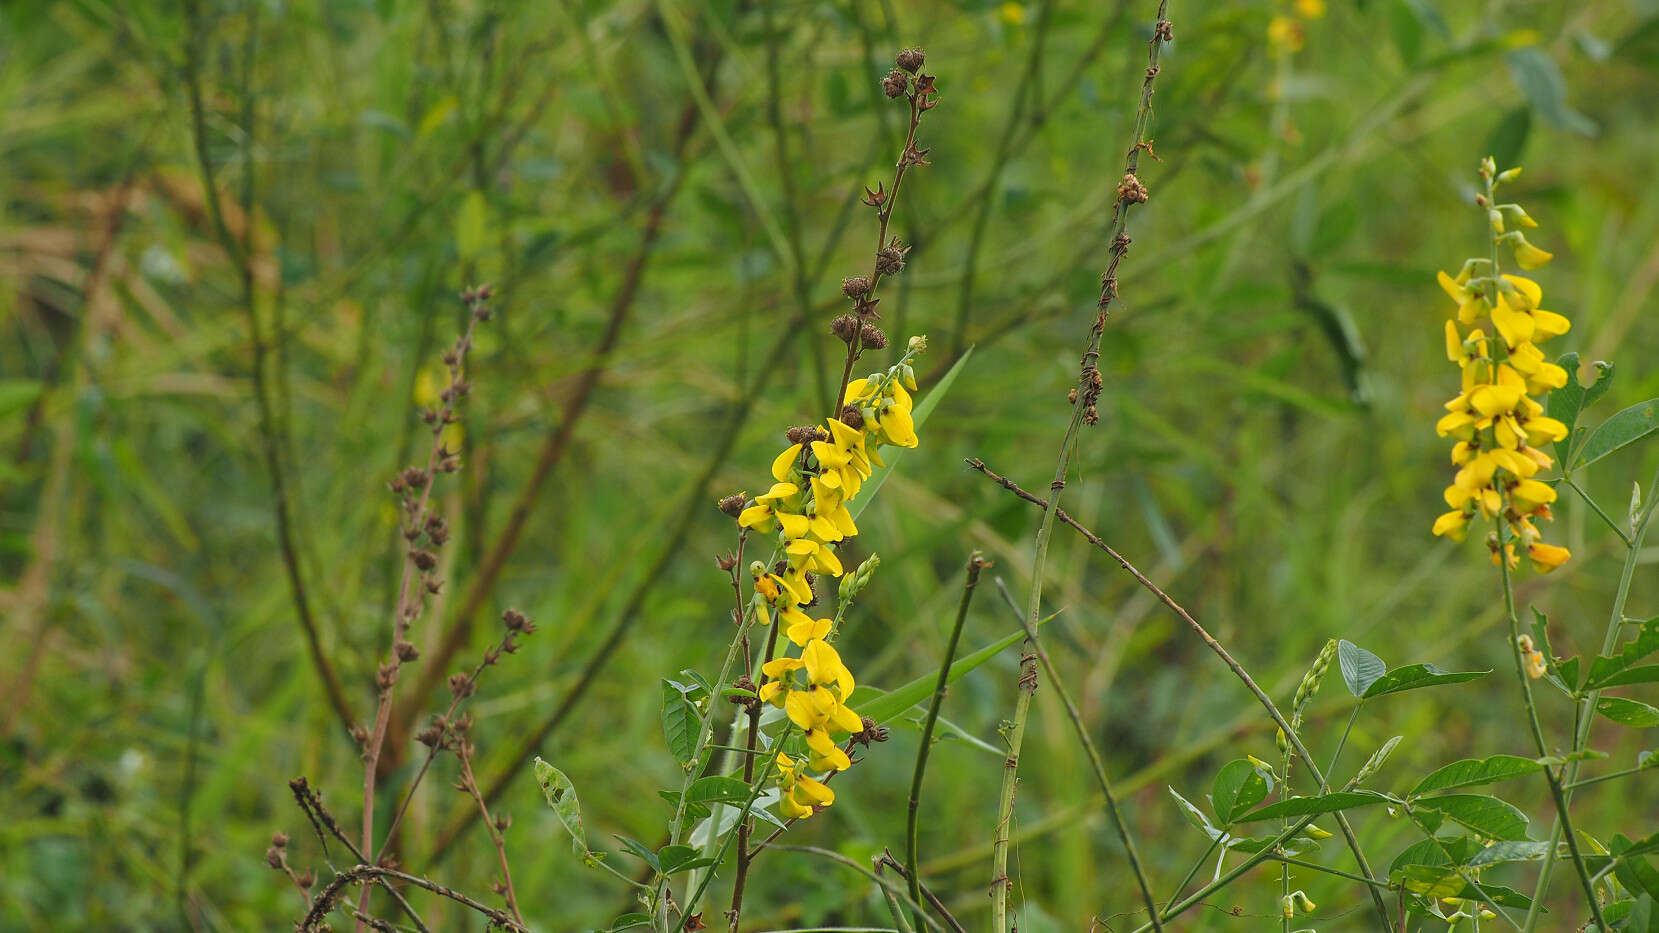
(717, 788)
(1510, 851)
(1472, 771)
(561, 796)
(1417, 676)
(1569, 401)
(1619, 431)
(1628, 712)
(681, 723)
(1603, 669)
(1306, 806)
(1360, 668)
(1489, 816)
(1239, 785)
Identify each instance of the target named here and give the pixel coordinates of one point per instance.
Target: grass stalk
(912, 873)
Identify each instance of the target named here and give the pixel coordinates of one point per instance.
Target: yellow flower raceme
(1500, 429)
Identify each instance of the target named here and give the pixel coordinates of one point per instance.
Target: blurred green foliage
(1266, 449)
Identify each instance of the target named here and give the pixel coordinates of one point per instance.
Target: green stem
(1193, 871)
(1039, 565)
(1606, 777)
(913, 873)
(1594, 507)
(1330, 769)
(1096, 764)
(1561, 810)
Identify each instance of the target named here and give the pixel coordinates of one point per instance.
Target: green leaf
(881, 707)
(1360, 668)
(1430, 881)
(1510, 851)
(1569, 401)
(1537, 76)
(673, 858)
(1417, 676)
(1603, 669)
(1472, 771)
(630, 922)
(638, 849)
(1305, 806)
(1194, 815)
(1646, 674)
(717, 788)
(1239, 785)
(681, 723)
(561, 796)
(1436, 853)
(919, 415)
(1619, 431)
(1628, 712)
(1486, 815)
(1559, 673)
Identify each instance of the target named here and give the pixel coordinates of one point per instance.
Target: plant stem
(1594, 507)
(975, 563)
(1096, 764)
(1221, 652)
(1561, 809)
(1086, 389)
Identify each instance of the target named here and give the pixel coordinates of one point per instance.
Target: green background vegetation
(1266, 447)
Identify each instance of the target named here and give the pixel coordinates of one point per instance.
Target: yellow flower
(801, 628)
(801, 795)
(1528, 256)
(1546, 557)
(770, 508)
(819, 700)
(1011, 13)
(1310, 9)
(1284, 35)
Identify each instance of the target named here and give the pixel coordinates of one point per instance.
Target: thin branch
(976, 562)
(239, 252)
(1215, 646)
(1088, 389)
(331, 894)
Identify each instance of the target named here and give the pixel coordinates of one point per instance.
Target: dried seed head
(423, 559)
(845, 327)
(502, 822)
(1165, 30)
(273, 858)
(516, 621)
(430, 736)
(305, 879)
(460, 685)
(1131, 189)
(733, 504)
(911, 59)
(873, 337)
(386, 676)
(806, 434)
(279, 840)
(871, 732)
(405, 651)
(726, 562)
(852, 416)
(855, 286)
(895, 84)
(890, 260)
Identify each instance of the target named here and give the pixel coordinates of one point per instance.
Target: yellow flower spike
(785, 462)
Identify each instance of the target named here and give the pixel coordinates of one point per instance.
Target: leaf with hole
(561, 796)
